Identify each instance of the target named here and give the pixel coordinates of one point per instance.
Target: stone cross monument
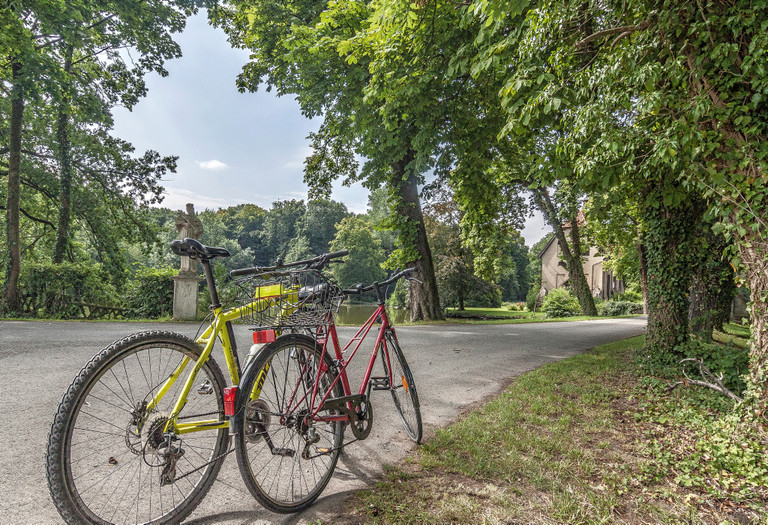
(185, 283)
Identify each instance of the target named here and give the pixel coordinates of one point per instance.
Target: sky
(233, 147)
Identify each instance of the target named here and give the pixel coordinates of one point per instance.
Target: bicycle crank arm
(284, 452)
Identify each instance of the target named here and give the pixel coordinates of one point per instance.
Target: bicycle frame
(219, 328)
(380, 314)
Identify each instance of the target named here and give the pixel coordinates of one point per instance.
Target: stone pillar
(185, 284)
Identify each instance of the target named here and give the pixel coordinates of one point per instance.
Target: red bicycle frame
(330, 334)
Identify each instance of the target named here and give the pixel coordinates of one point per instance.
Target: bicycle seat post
(208, 270)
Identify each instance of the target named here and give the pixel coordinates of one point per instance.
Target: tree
(318, 223)
(245, 223)
(454, 262)
(713, 286)
(45, 49)
(281, 226)
(516, 281)
(673, 96)
(363, 264)
(571, 251)
(308, 49)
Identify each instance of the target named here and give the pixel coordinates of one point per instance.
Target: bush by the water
(560, 303)
(614, 308)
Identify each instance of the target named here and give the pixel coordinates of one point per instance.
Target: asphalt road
(454, 366)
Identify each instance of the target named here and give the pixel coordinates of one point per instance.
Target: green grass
(504, 316)
(563, 444)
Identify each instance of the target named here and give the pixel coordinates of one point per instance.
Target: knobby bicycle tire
(102, 467)
(402, 387)
(285, 459)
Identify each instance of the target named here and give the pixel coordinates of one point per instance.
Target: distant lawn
(504, 316)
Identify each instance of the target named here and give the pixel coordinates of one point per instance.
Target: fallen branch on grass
(710, 380)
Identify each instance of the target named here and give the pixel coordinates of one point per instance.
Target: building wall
(554, 275)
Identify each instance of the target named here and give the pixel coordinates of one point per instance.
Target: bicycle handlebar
(315, 263)
(389, 281)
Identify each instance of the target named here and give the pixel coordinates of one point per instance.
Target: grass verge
(583, 440)
(503, 316)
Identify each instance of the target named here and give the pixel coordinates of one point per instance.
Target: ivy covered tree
(670, 96)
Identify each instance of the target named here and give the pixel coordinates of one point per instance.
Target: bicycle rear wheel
(285, 457)
(108, 458)
(402, 387)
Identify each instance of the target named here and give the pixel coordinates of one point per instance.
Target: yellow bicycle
(142, 431)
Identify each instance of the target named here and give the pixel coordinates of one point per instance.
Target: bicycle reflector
(261, 337)
(230, 395)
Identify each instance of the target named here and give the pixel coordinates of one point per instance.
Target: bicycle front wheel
(286, 456)
(109, 459)
(402, 386)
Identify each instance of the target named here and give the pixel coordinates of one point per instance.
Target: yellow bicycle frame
(265, 297)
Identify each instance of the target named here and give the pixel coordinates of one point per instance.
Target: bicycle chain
(205, 464)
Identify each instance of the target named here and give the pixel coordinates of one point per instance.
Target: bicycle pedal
(205, 388)
(380, 383)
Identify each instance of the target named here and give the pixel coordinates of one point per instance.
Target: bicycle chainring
(361, 420)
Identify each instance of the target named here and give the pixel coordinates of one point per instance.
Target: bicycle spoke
(113, 462)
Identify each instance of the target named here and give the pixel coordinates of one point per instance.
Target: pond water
(357, 314)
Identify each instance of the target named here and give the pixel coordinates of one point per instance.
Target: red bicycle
(294, 401)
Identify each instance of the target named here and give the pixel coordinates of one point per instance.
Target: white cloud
(177, 199)
(214, 165)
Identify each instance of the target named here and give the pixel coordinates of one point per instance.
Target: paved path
(454, 366)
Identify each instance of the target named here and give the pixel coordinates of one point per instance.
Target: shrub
(613, 308)
(150, 293)
(730, 361)
(628, 296)
(560, 303)
(532, 299)
(52, 290)
(515, 307)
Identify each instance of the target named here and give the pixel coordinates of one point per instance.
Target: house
(554, 274)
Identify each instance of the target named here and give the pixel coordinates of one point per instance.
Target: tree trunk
(642, 253)
(573, 262)
(13, 270)
(581, 287)
(712, 286)
(425, 302)
(669, 239)
(701, 308)
(65, 167)
(754, 256)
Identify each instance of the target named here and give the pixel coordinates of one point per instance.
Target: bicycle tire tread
(55, 468)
